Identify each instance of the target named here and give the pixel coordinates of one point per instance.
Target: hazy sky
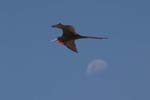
(34, 68)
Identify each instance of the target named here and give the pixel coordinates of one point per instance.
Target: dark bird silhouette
(70, 35)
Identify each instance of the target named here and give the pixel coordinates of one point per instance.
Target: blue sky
(34, 68)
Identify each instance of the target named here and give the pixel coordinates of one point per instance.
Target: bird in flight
(70, 35)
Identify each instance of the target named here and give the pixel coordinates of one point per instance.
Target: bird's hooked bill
(53, 26)
(54, 40)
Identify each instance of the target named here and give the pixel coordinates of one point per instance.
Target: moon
(96, 66)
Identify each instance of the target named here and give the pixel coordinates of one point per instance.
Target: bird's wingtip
(75, 51)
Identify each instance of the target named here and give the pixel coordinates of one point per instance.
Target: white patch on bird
(96, 66)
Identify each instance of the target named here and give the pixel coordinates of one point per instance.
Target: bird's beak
(54, 40)
(53, 26)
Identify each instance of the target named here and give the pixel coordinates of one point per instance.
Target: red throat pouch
(60, 42)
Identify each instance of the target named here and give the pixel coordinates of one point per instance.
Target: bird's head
(59, 25)
(58, 40)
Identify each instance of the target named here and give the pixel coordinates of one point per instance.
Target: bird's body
(69, 36)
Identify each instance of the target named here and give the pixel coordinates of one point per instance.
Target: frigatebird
(70, 35)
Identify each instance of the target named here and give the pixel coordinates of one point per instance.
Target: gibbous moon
(96, 66)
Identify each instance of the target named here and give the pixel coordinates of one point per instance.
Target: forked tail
(93, 37)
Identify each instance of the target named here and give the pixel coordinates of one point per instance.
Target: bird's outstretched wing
(71, 45)
(67, 29)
